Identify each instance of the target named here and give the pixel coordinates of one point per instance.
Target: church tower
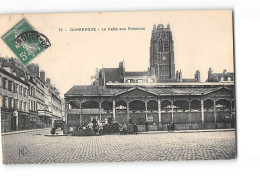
(162, 53)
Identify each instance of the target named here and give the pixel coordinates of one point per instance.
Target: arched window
(166, 45)
(160, 45)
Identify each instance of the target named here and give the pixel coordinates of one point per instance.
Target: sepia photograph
(117, 87)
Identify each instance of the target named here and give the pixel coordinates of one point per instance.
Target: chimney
(177, 76)
(57, 92)
(37, 69)
(31, 67)
(209, 74)
(197, 76)
(154, 26)
(168, 26)
(48, 82)
(180, 76)
(42, 76)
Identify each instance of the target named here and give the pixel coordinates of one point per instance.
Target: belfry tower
(162, 53)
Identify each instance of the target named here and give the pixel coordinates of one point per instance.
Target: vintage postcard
(117, 87)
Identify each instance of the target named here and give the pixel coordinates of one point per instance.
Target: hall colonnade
(197, 106)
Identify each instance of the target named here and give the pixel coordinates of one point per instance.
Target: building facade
(27, 101)
(14, 101)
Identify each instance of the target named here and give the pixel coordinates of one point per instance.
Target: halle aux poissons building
(159, 95)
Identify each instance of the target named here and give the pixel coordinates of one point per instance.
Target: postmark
(25, 41)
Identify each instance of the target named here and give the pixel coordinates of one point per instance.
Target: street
(34, 147)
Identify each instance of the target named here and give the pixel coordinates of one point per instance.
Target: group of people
(171, 126)
(130, 129)
(101, 128)
(95, 127)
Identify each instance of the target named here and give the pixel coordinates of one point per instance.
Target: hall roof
(163, 91)
(144, 73)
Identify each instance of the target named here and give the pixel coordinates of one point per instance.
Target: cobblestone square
(34, 147)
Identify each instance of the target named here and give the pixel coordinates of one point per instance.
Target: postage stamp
(25, 41)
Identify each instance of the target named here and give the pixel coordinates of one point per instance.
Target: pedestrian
(146, 126)
(100, 128)
(53, 129)
(172, 126)
(90, 126)
(135, 128)
(124, 129)
(130, 128)
(121, 129)
(168, 127)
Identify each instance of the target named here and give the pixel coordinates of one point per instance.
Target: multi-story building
(14, 97)
(28, 101)
(56, 103)
(48, 101)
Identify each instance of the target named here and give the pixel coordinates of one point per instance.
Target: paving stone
(117, 148)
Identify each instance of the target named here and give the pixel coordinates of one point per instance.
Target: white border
(247, 49)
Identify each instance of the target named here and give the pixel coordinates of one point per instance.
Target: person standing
(53, 129)
(100, 128)
(172, 126)
(124, 129)
(135, 128)
(146, 126)
(130, 128)
(90, 126)
(168, 127)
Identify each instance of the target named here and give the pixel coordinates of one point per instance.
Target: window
(152, 80)
(225, 78)
(25, 106)
(16, 88)
(24, 92)
(10, 102)
(160, 45)
(21, 90)
(4, 83)
(166, 45)
(10, 86)
(20, 105)
(15, 104)
(5, 101)
(31, 105)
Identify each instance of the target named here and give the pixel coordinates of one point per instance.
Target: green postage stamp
(25, 41)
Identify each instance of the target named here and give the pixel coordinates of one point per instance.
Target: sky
(202, 39)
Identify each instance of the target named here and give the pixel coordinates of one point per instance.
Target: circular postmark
(32, 37)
